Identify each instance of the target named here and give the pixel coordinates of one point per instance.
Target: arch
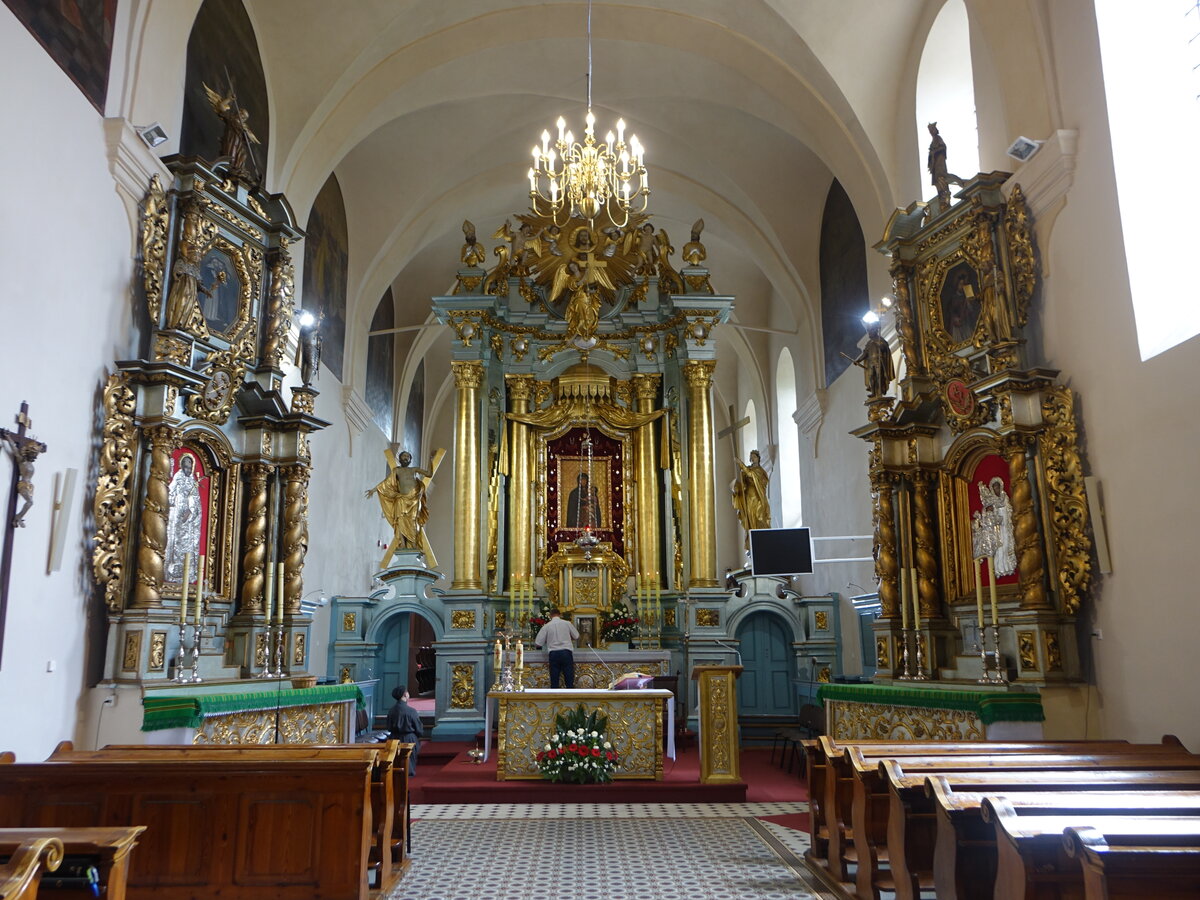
(766, 686)
(383, 621)
(844, 292)
(787, 461)
(946, 92)
(751, 439)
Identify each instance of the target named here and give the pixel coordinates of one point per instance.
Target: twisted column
(702, 531)
(645, 387)
(468, 377)
(886, 564)
(1031, 563)
(295, 535)
(152, 543)
(520, 493)
(924, 559)
(254, 540)
(905, 315)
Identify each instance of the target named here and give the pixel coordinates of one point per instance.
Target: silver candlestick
(266, 670)
(920, 676)
(195, 668)
(998, 676)
(981, 647)
(904, 655)
(278, 673)
(179, 679)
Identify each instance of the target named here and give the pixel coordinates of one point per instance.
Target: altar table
(526, 719)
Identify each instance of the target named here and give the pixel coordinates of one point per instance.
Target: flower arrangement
(578, 751)
(537, 620)
(618, 623)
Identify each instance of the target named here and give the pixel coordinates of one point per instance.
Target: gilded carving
(883, 722)
(260, 650)
(462, 618)
(1027, 650)
(707, 617)
(303, 400)
(152, 546)
(501, 620)
(171, 348)
(887, 567)
(821, 620)
(669, 617)
(823, 676)
(133, 651)
(111, 506)
(717, 737)
(1030, 561)
(295, 535)
(1053, 651)
(323, 723)
(904, 317)
(1065, 496)
(298, 650)
(883, 658)
(183, 309)
(155, 219)
(158, 651)
(468, 374)
(280, 307)
(235, 220)
(254, 554)
(349, 621)
(462, 686)
(1021, 254)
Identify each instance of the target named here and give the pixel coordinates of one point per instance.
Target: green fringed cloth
(989, 706)
(188, 712)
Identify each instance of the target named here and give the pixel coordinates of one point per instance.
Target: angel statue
(472, 251)
(237, 137)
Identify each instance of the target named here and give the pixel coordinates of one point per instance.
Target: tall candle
(512, 599)
(281, 587)
(520, 655)
(916, 594)
(269, 593)
(904, 599)
(979, 595)
(496, 657)
(992, 587)
(658, 605)
(183, 593)
(200, 589)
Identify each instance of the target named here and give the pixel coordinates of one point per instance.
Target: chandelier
(584, 179)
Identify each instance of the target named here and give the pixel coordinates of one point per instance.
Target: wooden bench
(1116, 870)
(911, 818)
(28, 862)
(237, 828)
(105, 849)
(964, 859)
(1033, 857)
(389, 784)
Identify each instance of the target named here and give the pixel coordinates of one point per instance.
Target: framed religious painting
(585, 491)
(586, 626)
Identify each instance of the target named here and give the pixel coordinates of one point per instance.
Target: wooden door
(766, 686)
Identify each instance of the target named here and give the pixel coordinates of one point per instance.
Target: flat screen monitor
(781, 551)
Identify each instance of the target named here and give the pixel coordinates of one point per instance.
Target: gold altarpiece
(203, 451)
(973, 426)
(581, 333)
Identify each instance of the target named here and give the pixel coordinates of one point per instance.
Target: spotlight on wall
(152, 135)
(1023, 148)
(306, 318)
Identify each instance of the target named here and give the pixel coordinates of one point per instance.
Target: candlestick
(200, 590)
(979, 595)
(992, 580)
(183, 593)
(282, 593)
(904, 599)
(916, 595)
(269, 593)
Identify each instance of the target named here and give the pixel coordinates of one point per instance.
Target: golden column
(295, 535)
(520, 490)
(254, 557)
(645, 387)
(1030, 562)
(887, 567)
(468, 377)
(702, 530)
(153, 545)
(923, 549)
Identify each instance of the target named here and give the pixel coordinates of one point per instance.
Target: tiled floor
(704, 851)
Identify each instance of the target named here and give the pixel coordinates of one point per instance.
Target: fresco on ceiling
(78, 36)
(381, 364)
(326, 263)
(844, 293)
(222, 49)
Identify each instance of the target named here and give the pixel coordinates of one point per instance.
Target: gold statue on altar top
(402, 501)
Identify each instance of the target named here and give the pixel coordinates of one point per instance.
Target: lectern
(719, 744)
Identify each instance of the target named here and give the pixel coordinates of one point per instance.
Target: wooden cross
(24, 449)
(732, 431)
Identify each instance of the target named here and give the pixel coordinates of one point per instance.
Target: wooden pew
(896, 825)
(237, 828)
(107, 849)
(964, 859)
(21, 875)
(1033, 860)
(911, 820)
(389, 784)
(1169, 866)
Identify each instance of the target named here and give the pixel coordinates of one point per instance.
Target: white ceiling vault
(426, 111)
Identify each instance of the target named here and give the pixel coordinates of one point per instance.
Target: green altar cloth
(179, 711)
(989, 706)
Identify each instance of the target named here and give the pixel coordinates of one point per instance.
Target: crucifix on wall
(24, 450)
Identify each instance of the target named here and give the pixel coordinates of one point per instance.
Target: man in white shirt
(557, 637)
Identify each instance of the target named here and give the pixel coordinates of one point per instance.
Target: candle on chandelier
(183, 593)
(282, 593)
(992, 586)
(979, 595)
(200, 589)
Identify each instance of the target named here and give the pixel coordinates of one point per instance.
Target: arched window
(381, 364)
(946, 94)
(750, 436)
(788, 463)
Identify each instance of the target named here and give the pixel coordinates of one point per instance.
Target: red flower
(552, 754)
(583, 751)
(595, 751)
(573, 747)
(611, 755)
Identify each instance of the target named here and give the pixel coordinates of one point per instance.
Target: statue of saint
(750, 495)
(23, 451)
(997, 516)
(876, 362)
(583, 504)
(183, 300)
(183, 519)
(237, 137)
(939, 177)
(402, 499)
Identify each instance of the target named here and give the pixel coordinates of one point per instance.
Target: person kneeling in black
(404, 724)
